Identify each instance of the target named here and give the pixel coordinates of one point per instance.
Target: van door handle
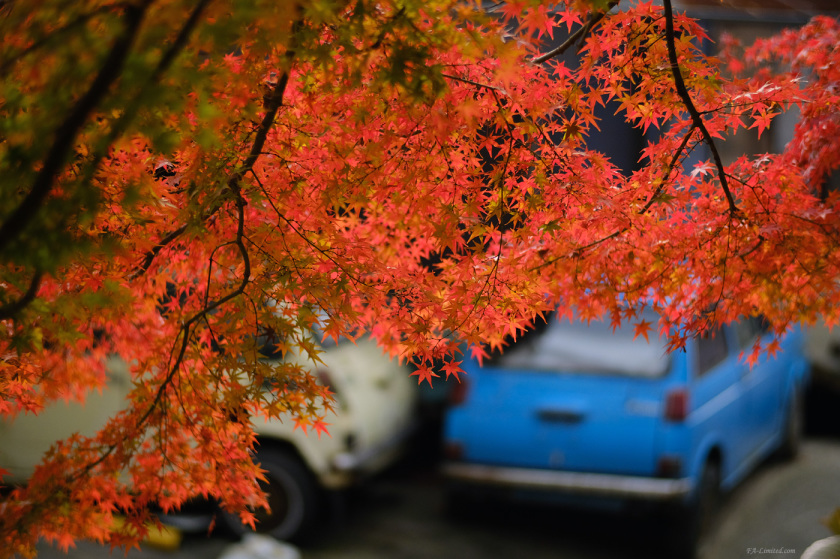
(560, 415)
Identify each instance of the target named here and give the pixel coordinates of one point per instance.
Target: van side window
(746, 332)
(711, 350)
(748, 329)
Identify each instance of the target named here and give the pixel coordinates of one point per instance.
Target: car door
(719, 416)
(763, 385)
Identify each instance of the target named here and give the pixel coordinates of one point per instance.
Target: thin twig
(471, 82)
(670, 168)
(594, 19)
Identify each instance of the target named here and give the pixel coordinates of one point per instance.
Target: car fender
(711, 446)
(315, 450)
(798, 379)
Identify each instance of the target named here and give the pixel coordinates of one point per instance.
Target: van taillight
(458, 393)
(676, 405)
(453, 450)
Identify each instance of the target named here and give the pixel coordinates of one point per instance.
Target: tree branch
(275, 101)
(471, 82)
(163, 65)
(274, 104)
(65, 135)
(9, 310)
(682, 91)
(39, 43)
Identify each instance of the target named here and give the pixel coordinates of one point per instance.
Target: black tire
(457, 503)
(692, 525)
(293, 497)
(794, 424)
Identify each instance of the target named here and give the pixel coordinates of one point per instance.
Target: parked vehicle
(823, 349)
(376, 404)
(375, 414)
(25, 439)
(595, 417)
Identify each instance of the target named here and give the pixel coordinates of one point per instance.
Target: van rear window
(595, 348)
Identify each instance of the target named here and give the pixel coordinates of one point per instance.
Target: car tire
(293, 497)
(792, 434)
(457, 503)
(692, 525)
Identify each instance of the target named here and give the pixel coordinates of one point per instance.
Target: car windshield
(321, 337)
(590, 348)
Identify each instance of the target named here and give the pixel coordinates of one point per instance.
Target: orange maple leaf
(424, 372)
(302, 422)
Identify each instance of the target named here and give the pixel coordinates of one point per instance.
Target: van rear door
(576, 397)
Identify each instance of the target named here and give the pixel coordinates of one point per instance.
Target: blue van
(599, 416)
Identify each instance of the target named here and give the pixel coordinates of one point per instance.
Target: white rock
(257, 546)
(828, 548)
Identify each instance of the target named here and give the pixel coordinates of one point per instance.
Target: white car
(376, 403)
(375, 414)
(25, 439)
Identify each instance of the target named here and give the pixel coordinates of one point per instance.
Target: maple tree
(181, 176)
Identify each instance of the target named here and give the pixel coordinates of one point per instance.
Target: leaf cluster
(191, 188)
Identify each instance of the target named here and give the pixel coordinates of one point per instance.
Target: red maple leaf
(642, 329)
(321, 427)
(453, 368)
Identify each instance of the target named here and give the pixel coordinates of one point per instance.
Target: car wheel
(458, 503)
(293, 498)
(692, 524)
(792, 435)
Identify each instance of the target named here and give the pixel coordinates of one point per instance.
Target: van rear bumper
(601, 485)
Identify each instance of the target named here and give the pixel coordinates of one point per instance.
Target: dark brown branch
(65, 135)
(208, 308)
(233, 184)
(593, 20)
(275, 101)
(682, 91)
(163, 65)
(186, 333)
(274, 104)
(9, 310)
(150, 256)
